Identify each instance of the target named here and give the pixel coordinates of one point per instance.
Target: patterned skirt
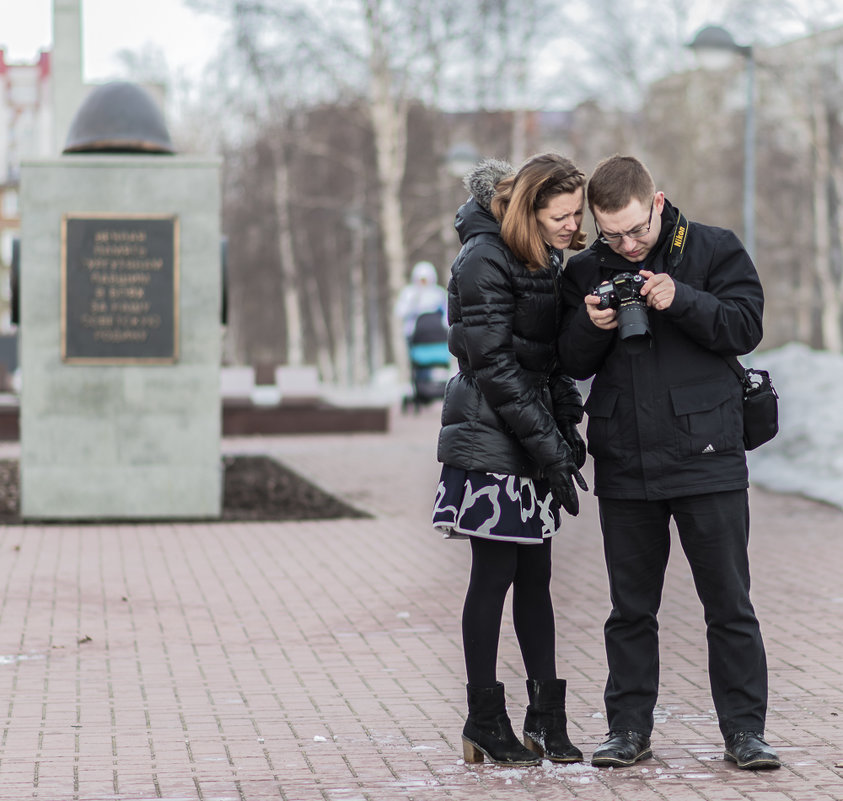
(494, 506)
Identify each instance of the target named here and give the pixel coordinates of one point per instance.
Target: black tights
(495, 566)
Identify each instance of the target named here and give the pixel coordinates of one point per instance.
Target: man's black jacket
(665, 418)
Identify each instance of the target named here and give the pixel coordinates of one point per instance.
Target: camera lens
(632, 319)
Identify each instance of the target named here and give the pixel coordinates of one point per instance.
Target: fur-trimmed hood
(481, 181)
(475, 215)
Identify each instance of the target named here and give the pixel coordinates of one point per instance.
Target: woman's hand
(561, 476)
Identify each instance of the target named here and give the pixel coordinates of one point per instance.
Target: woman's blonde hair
(518, 197)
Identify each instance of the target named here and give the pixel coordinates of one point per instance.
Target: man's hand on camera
(605, 319)
(659, 290)
(561, 477)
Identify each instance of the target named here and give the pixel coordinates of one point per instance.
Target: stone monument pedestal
(120, 298)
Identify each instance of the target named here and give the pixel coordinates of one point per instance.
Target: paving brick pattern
(321, 661)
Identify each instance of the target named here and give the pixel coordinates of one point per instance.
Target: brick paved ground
(321, 661)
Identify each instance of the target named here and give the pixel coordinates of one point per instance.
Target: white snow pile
(806, 457)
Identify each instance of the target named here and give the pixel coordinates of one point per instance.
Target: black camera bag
(760, 405)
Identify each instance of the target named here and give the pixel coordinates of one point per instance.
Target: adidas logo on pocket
(709, 448)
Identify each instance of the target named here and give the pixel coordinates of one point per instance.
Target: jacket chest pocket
(707, 422)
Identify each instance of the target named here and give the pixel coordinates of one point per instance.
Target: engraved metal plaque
(120, 287)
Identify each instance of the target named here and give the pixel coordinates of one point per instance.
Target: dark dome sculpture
(118, 117)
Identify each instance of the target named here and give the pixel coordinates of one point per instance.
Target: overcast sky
(188, 39)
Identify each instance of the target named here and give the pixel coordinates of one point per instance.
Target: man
(665, 431)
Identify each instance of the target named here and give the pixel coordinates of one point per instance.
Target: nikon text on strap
(678, 240)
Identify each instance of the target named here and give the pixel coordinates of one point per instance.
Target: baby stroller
(430, 360)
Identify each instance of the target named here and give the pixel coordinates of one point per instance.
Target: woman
(509, 444)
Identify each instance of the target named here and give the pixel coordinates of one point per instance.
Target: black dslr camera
(623, 293)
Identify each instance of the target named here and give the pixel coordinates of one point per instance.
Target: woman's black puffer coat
(501, 410)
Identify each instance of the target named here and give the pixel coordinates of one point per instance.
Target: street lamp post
(713, 38)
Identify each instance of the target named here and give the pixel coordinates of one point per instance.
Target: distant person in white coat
(423, 294)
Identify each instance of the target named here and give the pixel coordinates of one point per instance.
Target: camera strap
(678, 240)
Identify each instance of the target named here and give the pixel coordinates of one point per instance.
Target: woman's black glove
(575, 441)
(561, 476)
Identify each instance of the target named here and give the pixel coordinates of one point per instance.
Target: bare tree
(824, 110)
(274, 106)
(324, 43)
(255, 332)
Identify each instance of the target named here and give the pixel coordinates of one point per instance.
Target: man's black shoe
(749, 750)
(623, 748)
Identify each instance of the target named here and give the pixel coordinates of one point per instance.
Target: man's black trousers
(714, 533)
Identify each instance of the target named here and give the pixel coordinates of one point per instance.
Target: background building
(26, 131)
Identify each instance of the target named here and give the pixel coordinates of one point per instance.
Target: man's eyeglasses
(635, 233)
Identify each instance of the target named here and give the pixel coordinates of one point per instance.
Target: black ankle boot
(545, 724)
(488, 732)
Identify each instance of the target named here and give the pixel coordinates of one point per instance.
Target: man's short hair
(617, 181)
